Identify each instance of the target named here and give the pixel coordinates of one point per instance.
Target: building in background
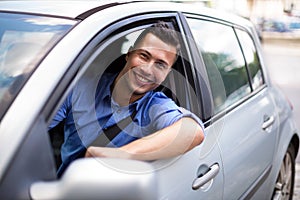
(248, 8)
(273, 18)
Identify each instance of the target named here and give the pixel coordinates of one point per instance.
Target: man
(160, 129)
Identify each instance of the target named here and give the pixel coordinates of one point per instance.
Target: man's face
(148, 64)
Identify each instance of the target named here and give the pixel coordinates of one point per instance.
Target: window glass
(251, 58)
(24, 40)
(224, 61)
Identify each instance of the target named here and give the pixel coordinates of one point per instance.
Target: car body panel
(35, 150)
(247, 140)
(54, 8)
(286, 128)
(187, 168)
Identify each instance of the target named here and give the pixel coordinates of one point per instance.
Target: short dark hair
(164, 32)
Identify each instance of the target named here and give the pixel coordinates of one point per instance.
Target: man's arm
(61, 113)
(171, 141)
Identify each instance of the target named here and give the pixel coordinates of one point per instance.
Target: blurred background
(273, 18)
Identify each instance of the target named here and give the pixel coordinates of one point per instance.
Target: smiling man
(159, 128)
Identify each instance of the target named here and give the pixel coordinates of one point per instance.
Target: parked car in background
(283, 24)
(48, 47)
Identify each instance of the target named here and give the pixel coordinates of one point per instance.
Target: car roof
(65, 8)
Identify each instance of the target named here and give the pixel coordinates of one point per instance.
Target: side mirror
(101, 178)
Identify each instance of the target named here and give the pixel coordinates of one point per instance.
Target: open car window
(109, 57)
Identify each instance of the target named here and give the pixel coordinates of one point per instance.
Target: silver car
(46, 48)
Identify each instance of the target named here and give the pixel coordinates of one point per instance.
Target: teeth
(142, 79)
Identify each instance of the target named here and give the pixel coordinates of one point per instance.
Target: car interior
(175, 86)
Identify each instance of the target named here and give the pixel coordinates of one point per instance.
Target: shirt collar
(140, 101)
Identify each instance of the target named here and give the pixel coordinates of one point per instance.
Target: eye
(161, 65)
(143, 56)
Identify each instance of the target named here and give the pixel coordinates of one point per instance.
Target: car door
(196, 174)
(244, 113)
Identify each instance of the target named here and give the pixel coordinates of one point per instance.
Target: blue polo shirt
(90, 108)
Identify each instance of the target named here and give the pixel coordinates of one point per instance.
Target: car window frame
(198, 73)
(258, 57)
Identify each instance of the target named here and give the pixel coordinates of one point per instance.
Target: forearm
(171, 141)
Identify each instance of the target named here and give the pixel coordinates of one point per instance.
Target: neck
(122, 95)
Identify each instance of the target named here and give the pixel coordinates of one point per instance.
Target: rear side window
(224, 61)
(251, 57)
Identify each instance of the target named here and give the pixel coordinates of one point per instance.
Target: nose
(146, 68)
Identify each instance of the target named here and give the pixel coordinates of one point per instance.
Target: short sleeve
(61, 113)
(187, 113)
(164, 112)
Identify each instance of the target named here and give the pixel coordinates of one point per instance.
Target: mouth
(142, 80)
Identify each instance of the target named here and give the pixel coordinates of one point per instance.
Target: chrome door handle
(268, 122)
(205, 178)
